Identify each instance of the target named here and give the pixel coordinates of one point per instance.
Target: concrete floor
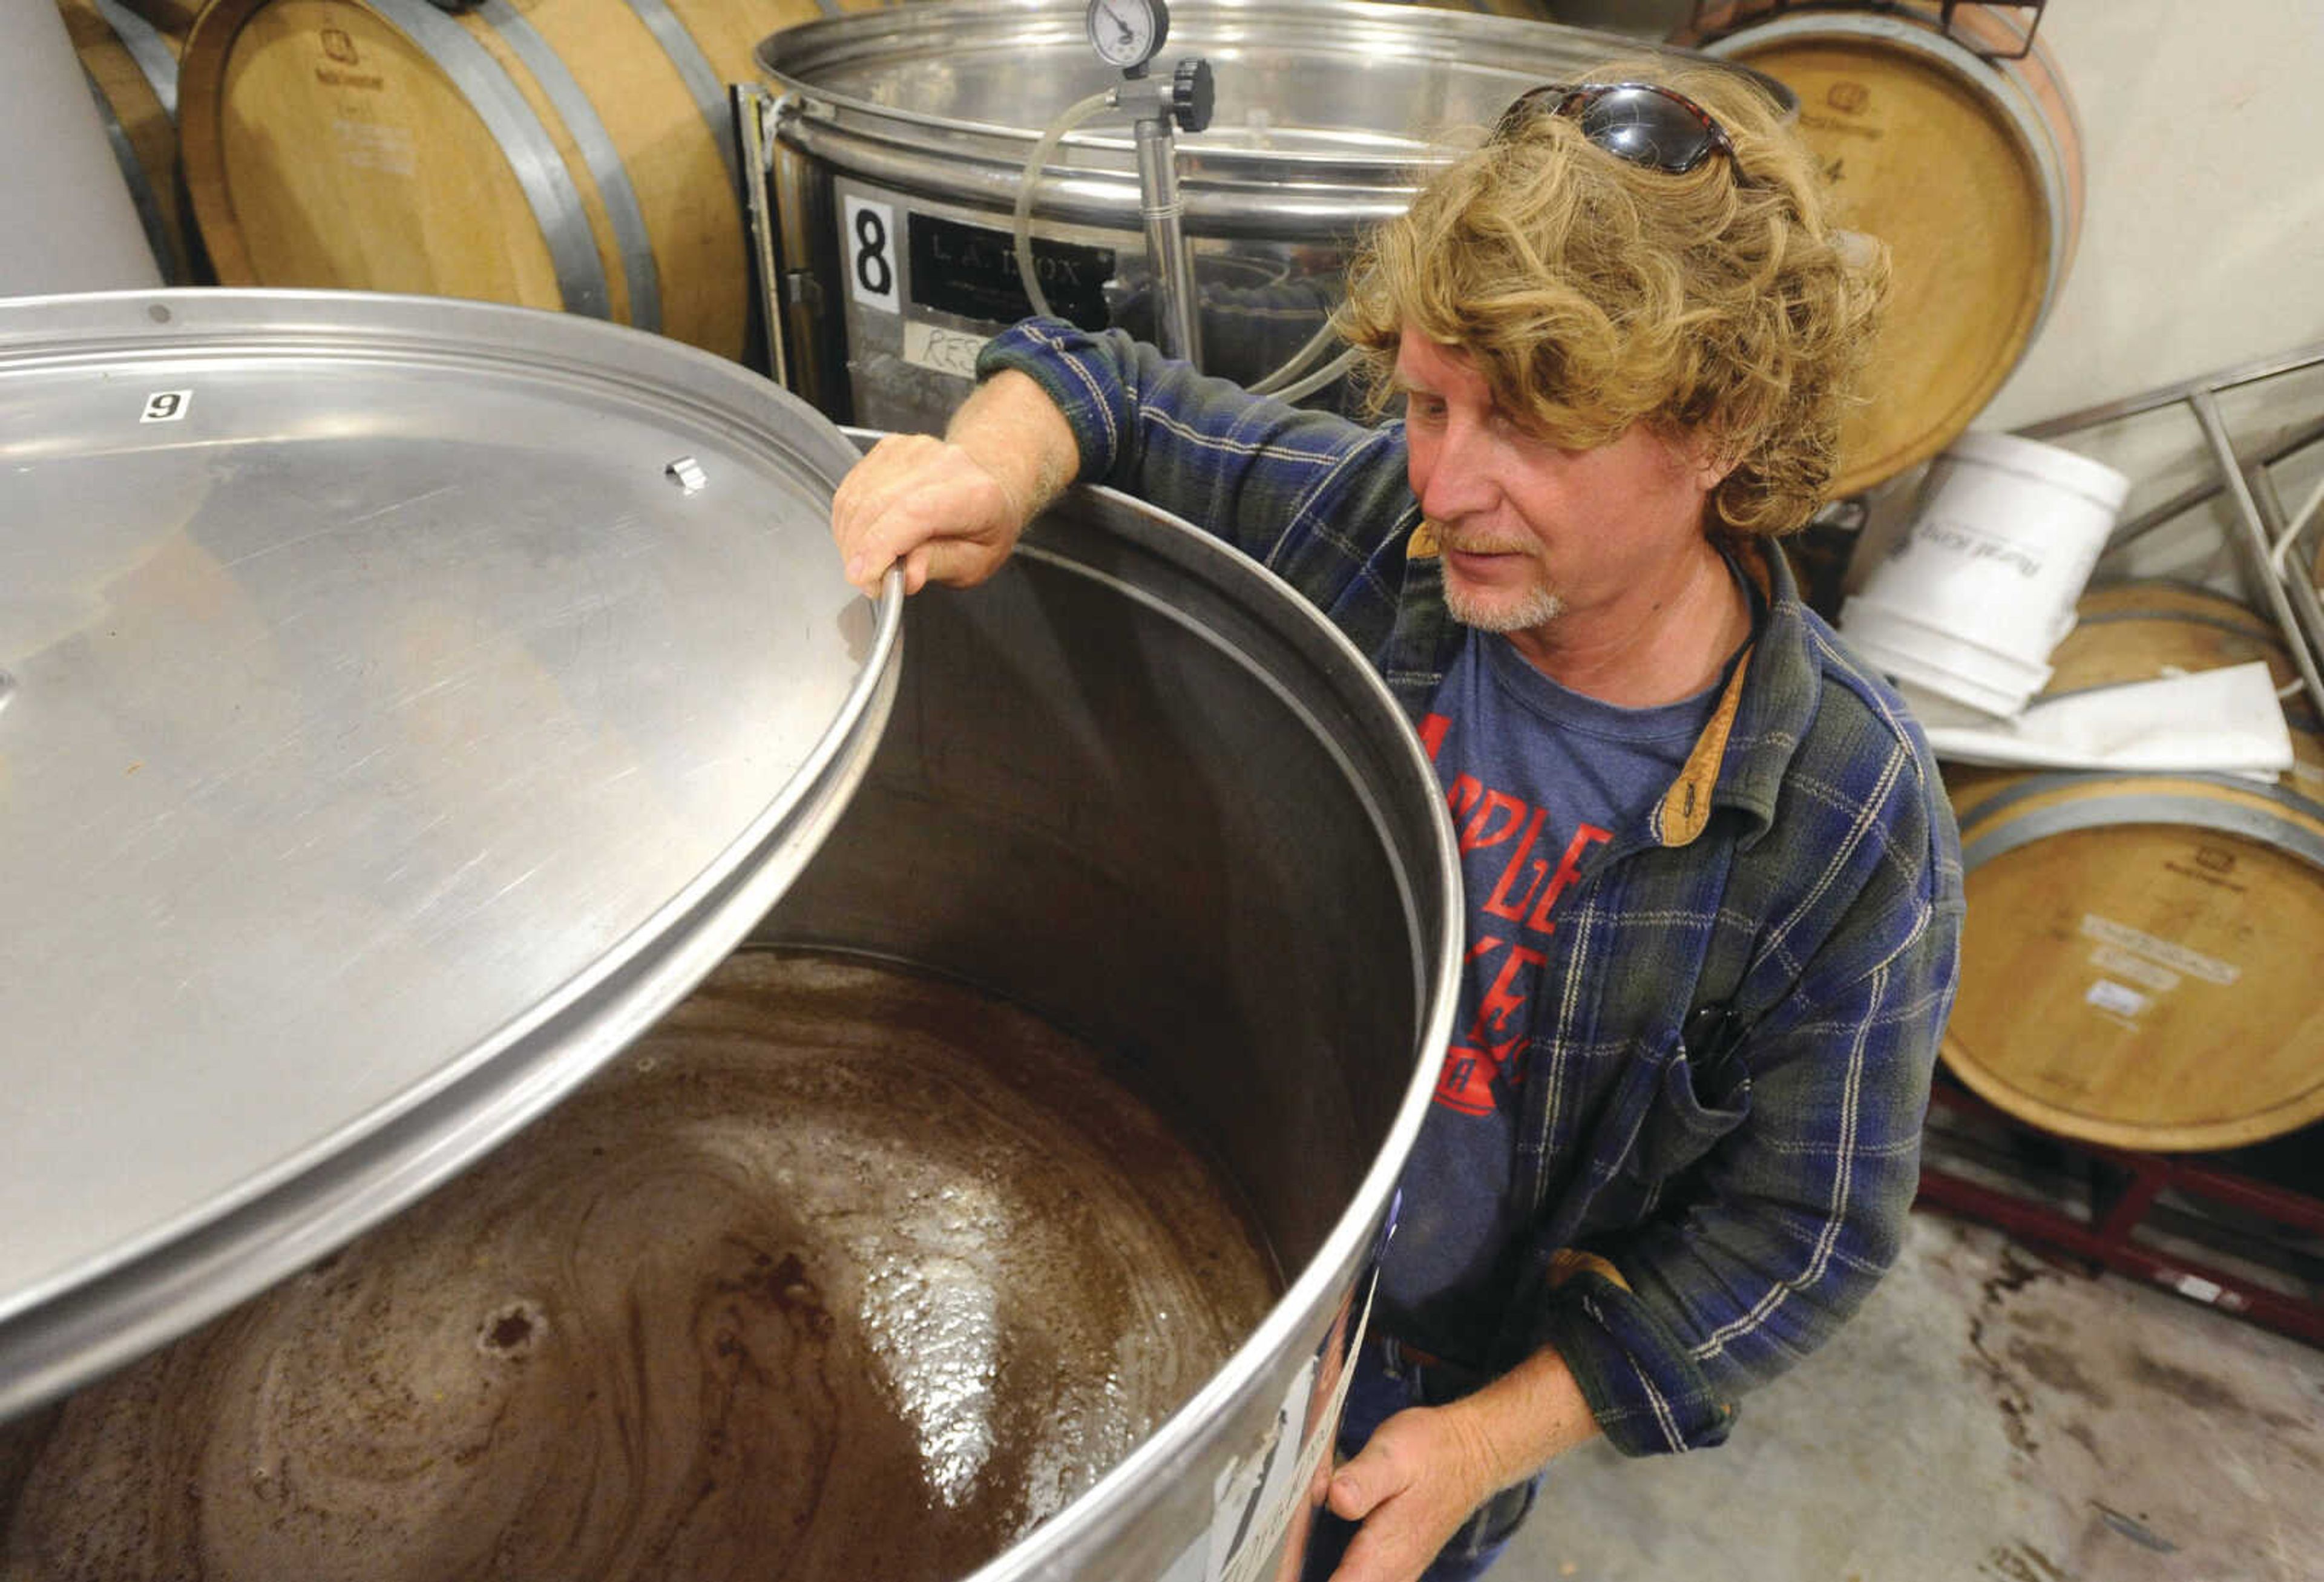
(1991, 1414)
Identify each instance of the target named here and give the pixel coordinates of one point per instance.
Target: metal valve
(1193, 95)
(1129, 35)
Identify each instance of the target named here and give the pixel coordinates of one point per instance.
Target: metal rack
(2264, 533)
(1714, 18)
(2169, 1218)
(2138, 1217)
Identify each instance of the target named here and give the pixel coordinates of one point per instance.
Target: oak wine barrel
(2146, 630)
(174, 17)
(550, 153)
(2138, 962)
(2138, 958)
(2145, 598)
(1970, 171)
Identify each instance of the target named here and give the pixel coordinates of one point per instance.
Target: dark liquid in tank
(841, 1272)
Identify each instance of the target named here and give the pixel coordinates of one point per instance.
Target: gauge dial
(1127, 32)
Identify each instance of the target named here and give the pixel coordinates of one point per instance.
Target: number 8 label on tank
(868, 242)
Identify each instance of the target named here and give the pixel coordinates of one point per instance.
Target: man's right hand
(929, 504)
(953, 509)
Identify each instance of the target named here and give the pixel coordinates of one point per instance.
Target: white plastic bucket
(1982, 585)
(1956, 666)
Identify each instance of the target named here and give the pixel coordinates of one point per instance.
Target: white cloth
(2227, 721)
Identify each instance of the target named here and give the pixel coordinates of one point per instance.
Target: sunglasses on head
(1642, 122)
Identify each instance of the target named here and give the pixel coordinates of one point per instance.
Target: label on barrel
(366, 145)
(166, 406)
(2118, 997)
(2178, 957)
(867, 240)
(2121, 964)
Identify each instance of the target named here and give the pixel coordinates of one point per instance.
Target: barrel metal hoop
(2201, 618)
(144, 41)
(141, 197)
(598, 148)
(547, 186)
(2280, 830)
(701, 78)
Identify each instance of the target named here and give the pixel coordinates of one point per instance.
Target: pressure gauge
(1127, 32)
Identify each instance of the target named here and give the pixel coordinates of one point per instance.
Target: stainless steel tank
(899, 138)
(380, 664)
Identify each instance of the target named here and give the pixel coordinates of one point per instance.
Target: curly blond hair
(1590, 294)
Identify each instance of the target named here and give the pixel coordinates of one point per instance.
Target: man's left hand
(1417, 1481)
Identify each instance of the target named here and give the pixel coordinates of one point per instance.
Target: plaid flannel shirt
(1719, 1130)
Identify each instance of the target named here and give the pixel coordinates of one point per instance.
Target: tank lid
(402, 702)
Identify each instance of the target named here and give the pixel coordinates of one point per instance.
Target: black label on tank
(972, 271)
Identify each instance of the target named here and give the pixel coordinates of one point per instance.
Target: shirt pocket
(1699, 1100)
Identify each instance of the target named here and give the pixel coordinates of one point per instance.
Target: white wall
(2203, 235)
(2202, 247)
(67, 222)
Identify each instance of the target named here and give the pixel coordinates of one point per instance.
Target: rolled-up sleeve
(1292, 488)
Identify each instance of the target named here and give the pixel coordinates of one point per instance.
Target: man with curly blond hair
(1714, 892)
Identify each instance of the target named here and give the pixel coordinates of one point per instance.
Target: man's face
(1531, 531)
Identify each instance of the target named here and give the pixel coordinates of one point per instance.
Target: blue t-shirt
(1537, 778)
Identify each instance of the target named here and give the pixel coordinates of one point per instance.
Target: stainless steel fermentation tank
(894, 145)
(449, 688)
(1132, 784)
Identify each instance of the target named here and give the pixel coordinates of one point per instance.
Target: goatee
(1536, 606)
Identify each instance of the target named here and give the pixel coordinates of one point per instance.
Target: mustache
(1466, 544)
